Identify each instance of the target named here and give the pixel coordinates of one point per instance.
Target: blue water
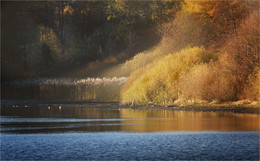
(132, 146)
(96, 133)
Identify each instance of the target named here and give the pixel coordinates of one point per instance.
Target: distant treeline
(209, 52)
(45, 38)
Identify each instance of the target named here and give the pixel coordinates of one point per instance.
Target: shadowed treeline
(50, 38)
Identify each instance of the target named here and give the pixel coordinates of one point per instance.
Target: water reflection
(55, 119)
(191, 121)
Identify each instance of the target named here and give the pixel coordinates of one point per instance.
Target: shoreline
(244, 108)
(202, 108)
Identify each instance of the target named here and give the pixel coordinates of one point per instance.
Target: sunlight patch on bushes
(141, 60)
(158, 82)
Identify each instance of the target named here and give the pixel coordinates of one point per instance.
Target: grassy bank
(237, 107)
(244, 106)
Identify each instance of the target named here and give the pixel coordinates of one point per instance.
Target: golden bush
(158, 82)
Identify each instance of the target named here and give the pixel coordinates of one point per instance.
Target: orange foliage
(234, 76)
(229, 28)
(68, 9)
(209, 82)
(186, 30)
(243, 49)
(226, 15)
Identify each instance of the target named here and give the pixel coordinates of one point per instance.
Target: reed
(100, 89)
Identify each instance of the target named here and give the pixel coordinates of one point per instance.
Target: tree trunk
(62, 26)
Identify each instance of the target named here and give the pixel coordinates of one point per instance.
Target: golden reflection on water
(128, 120)
(164, 120)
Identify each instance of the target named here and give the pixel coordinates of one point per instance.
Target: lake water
(97, 133)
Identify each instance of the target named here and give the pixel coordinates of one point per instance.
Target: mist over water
(69, 81)
(101, 89)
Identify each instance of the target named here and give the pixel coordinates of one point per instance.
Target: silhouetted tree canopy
(43, 38)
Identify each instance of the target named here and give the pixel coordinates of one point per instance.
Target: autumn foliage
(159, 81)
(210, 52)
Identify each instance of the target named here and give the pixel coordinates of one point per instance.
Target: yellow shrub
(257, 86)
(141, 60)
(158, 81)
(209, 82)
(252, 88)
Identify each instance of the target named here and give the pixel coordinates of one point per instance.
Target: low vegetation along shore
(238, 107)
(208, 57)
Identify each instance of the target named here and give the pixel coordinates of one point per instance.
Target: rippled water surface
(50, 132)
